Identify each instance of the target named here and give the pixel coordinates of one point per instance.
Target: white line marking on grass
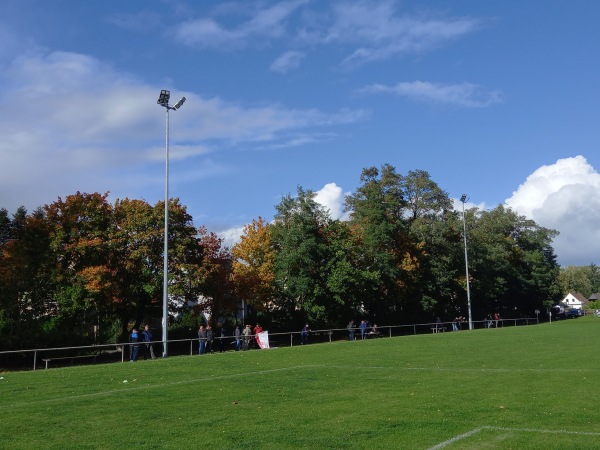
(461, 369)
(151, 386)
(456, 438)
(521, 430)
(533, 430)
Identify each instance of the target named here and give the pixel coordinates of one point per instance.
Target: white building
(575, 300)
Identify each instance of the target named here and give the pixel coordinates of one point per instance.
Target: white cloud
(141, 21)
(266, 23)
(458, 206)
(466, 95)
(288, 61)
(231, 236)
(382, 33)
(371, 30)
(78, 124)
(565, 196)
(331, 196)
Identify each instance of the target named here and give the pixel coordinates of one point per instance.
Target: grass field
(518, 387)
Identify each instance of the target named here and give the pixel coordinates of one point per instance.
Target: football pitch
(518, 387)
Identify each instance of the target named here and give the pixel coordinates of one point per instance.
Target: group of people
(243, 339)
(145, 339)
(457, 323)
(206, 338)
(496, 320)
(363, 329)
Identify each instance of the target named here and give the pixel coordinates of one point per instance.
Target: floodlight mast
(163, 100)
(464, 199)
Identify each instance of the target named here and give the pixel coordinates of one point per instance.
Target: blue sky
(497, 100)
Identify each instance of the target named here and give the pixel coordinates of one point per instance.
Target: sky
(496, 100)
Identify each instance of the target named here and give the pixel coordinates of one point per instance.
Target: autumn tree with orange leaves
(252, 266)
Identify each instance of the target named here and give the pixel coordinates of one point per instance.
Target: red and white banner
(262, 339)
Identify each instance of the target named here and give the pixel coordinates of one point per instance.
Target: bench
(438, 329)
(72, 358)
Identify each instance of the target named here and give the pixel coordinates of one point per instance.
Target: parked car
(558, 312)
(573, 313)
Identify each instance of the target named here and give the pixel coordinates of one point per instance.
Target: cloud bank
(78, 124)
(367, 31)
(465, 95)
(565, 196)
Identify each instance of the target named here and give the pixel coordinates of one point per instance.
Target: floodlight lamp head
(463, 198)
(163, 98)
(179, 103)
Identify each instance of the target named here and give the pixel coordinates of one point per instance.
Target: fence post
(414, 329)
(34, 359)
(123, 353)
(291, 339)
(191, 347)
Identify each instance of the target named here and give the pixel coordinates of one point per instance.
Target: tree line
(583, 279)
(82, 270)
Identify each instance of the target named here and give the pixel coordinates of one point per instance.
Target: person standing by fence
(363, 328)
(238, 338)
(148, 348)
(497, 319)
(134, 348)
(350, 329)
(304, 334)
(247, 333)
(222, 335)
(209, 339)
(201, 340)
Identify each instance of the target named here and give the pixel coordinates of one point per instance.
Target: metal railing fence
(119, 352)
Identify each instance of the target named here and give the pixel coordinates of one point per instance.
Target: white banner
(262, 339)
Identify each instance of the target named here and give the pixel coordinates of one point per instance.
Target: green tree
(377, 211)
(214, 276)
(576, 279)
(512, 264)
(80, 229)
(594, 272)
(298, 238)
(434, 230)
(26, 298)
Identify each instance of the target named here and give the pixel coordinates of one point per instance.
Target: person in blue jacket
(147, 338)
(134, 348)
(201, 340)
(304, 334)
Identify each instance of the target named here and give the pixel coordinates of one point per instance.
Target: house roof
(579, 296)
(595, 296)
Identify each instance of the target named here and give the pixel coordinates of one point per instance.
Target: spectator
(247, 334)
(497, 319)
(304, 334)
(148, 348)
(363, 328)
(238, 338)
(209, 339)
(257, 329)
(350, 328)
(374, 331)
(201, 340)
(222, 335)
(134, 339)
